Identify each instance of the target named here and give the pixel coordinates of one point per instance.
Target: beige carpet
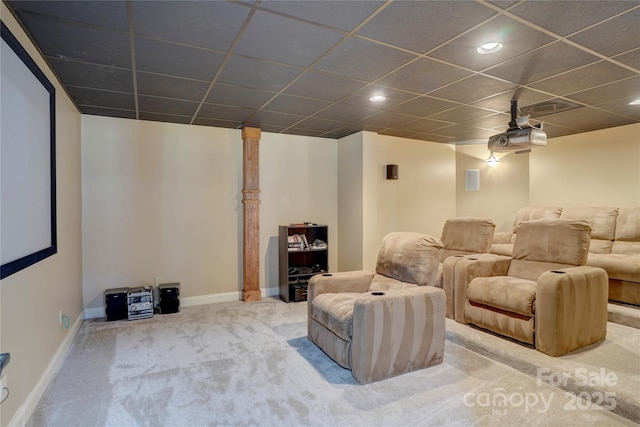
(251, 364)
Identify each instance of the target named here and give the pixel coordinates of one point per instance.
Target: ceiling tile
(224, 112)
(238, 96)
(434, 138)
(302, 132)
(295, 105)
(319, 85)
(400, 133)
(424, 75)
(345, 112)
(554, 131)
(515, 37)
(212, 24)
(185, 61)
(608, 92)
(566, 17)
(550, 60)
(361, 97)
(631, 58)
(170, 87)
(285, 40)
(583, 78)
(317, 124)
(572, 118)
(424, 24)
(93, 76)
(272, 128)
(217, 123)
(621, 106)
(424, 125)
(387, 120)
(612, 37)
(152, 104)
(363, 60)
(472, 88)
(168, 118)
(464, 134)
(337, 134)
(111, 14)
(499, 120)
(108, 112)
(262, 118)
(102, 98)
(502, 101)
(67, 40)
(423, 106)
(461, 114)
(240, 71)
(343, 14)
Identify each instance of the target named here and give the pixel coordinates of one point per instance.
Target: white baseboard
(27, 408)
(98, 312)
(94, 313)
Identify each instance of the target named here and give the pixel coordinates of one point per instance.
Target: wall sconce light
(492, 161)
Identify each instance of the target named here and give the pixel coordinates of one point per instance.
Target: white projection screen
(27, 160)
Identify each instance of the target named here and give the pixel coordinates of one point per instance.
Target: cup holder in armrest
(327, 274)
(558, 272)
(377, 293)
(473, 259)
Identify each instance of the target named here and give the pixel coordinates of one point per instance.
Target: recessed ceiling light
(491, 47)
(635, 102)
(377, 98)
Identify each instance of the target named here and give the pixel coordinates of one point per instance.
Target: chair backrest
(532, 213)
(549, 244)
(467, 235)
(410, 257)
(603, 225)
(627, 239)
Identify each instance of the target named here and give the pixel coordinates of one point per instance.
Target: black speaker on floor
(169, 298)
(116, 306)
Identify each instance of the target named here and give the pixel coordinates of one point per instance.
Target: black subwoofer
(169, 298)
(116, 306)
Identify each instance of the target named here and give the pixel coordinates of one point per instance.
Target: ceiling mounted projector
(521, 134)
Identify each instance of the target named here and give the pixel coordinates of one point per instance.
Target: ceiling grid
(310, 67)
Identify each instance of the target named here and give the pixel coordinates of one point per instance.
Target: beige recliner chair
(462, 237)
(385, 322)
(544, 295)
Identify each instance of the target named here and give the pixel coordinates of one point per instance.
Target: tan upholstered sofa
(385, 322)
(614, 246)
(542, 295)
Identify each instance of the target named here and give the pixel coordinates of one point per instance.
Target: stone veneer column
(251, 214)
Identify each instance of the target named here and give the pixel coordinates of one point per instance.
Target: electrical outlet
(60, 317)
(158, 280)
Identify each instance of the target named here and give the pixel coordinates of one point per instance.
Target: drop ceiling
(310, 67)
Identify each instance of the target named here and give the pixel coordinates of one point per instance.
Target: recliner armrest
(348, 281)
(397, 331)
(470, 267)
(571, 309)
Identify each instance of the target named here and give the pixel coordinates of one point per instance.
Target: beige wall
(350, 202)
(423, 197)
(503, 189)
(163, 199)
(299, 183)
(370, 206)
(600, 168)
(160, 200)
(32, 298)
